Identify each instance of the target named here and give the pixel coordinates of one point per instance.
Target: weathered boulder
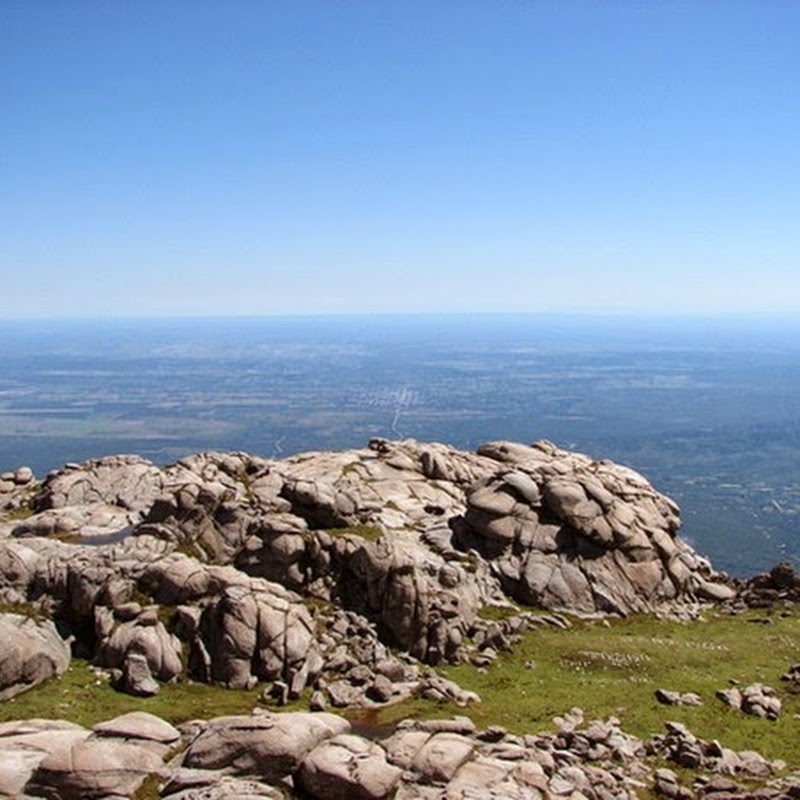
(347, 767)
(438, 760)
(269, 746)
(32, 651)
(125, 481)
(96, 768)
(200, 784)
(424, 603)
(24, 744)
(139, 727)
(144, 636)
(137, 679)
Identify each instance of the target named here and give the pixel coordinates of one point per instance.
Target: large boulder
(347, 767)
(270, 746)
(25, 744)
(32, 651)
(424, 603)
(94, 769)
(129, 482)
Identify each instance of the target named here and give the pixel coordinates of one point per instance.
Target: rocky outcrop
(207, 565)
(270, 747)
(344, 576)
(318, 756)
(565, 531)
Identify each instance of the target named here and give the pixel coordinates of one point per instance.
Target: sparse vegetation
(614, 670)
(30, 610)
(367, 532)
(608, 669)
(81, 696)
(18, 514)
(495, 613)
(149, 789)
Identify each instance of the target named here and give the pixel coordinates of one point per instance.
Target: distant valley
(707, 409)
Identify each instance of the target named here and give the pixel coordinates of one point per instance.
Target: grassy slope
(606, 669)
(615, 669)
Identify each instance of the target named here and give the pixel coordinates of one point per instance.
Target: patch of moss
(195, 549)
(166, 614)
(24, 609)
(369, 533)
(18, 514)
(497, 613)
(149, 789)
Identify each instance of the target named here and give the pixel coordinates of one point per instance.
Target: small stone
(381, 690)
(137, 680)
(317, 701)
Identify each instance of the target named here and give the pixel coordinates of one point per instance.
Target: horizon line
(377, 315)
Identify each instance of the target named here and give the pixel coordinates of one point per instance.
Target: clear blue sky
(166, 157)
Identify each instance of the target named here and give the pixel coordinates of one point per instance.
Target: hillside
(405, 580)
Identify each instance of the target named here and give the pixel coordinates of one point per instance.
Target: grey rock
(438, 760)
(97, 768)
(347, 767)
(25, 744)
(672, 698)
(32, 651)
(381, 690)
(188, 784)
(138, 725)
(137, 680)
(270, 746)
(146, 636)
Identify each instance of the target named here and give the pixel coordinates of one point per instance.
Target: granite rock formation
(348, 574)
(242, 569)
(318, 756)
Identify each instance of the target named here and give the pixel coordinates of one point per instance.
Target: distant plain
(707, 408)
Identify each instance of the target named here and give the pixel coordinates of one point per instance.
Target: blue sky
(164, 157)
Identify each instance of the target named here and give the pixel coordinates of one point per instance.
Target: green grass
(30, 610)
(614, 669)
(606, 668)
(17, 514)
(79, 696)
(367, 532)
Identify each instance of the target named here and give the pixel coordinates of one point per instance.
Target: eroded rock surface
(239, 569)
(31, 651)
(317, 756)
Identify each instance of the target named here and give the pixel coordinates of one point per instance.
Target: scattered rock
(756, 699)
(672, 698)
(137, 678)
